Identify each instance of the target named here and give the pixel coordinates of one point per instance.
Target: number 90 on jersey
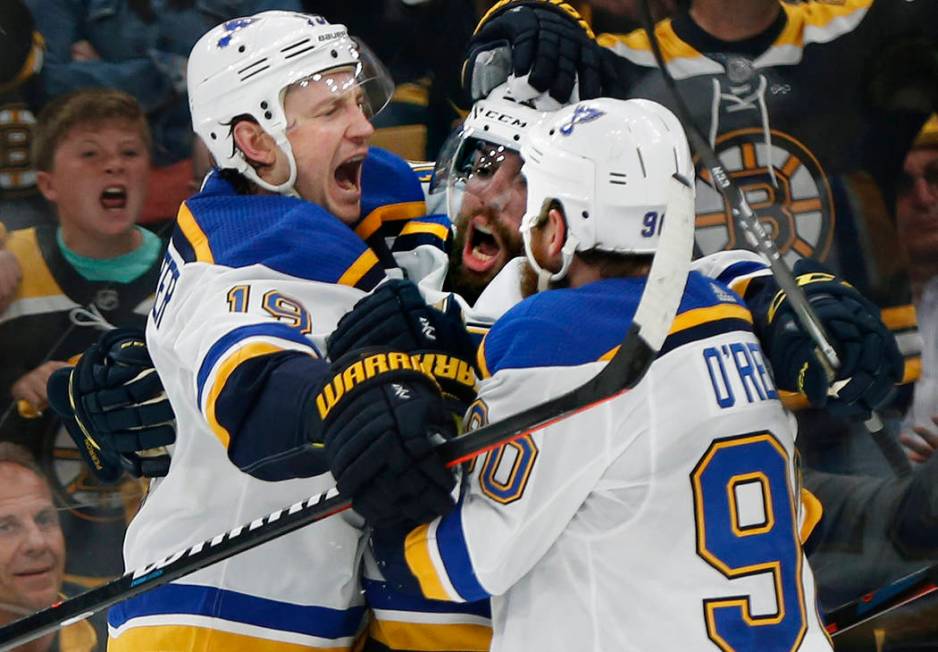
(746, 526)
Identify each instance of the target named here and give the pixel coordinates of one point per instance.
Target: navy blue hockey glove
(548, 40)
(382, 415)
(396, 316)
(870, 360)
(113, 406)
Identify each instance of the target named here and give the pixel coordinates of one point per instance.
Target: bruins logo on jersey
(792, 198)
(16, 130)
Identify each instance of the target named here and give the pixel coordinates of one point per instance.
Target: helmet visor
(368, 77)
(469, 164)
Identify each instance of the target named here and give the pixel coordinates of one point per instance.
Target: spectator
(917, 221)
(91, 150)
(139, 47)
(20, 202)
(32, 551)
(917, 207)
(92, 156)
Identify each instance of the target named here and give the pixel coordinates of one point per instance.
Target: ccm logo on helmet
(498, 116)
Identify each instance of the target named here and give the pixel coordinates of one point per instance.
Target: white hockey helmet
(244, 67)
(608, 163)
(474, 151)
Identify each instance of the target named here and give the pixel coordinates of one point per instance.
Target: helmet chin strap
(287, 187)
(544, 277)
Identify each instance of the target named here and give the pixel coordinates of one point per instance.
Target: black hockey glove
(113, 406)
(869, 358)
(382, 415)
(396, 316)
(547, 39)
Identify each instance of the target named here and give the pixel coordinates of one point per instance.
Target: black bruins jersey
(806, 119)
(40, 325)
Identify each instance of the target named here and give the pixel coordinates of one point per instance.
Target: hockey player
(564, 528)
(488, 193)
(752, 72)
(261, 266)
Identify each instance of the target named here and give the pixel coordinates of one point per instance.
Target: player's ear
(555, 231)
(256, 144)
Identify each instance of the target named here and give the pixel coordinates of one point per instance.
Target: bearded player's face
(488, 221)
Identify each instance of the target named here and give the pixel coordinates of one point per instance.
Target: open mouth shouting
(348, 175)
(114, 197)
(485, 248)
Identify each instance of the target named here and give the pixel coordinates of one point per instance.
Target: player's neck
(581, 274)
(734, 20)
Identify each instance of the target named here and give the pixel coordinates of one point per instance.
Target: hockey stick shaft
(882, 601)
(653, 317)
(608, 382)
(761, 241)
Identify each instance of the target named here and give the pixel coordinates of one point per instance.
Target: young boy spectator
(139, 47)
(96, 266)
(32, 551)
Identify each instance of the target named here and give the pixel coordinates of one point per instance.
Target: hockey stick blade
(761, 241)
(652, 322)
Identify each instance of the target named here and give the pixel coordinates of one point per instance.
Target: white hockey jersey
(674, 503)
(249, 276)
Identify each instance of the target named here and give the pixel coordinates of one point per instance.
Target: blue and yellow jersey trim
(389, 219)
(188, 617)
(433, 230)
(285, 234)
(438, 556)
(189, 239)
(406, 622)
(234, 349)
(423, 170)
(546, 330)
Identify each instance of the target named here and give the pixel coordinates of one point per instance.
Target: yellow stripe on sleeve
(359, 268)
(431, 637)
(899, 318)
(417, 554)
(432, 228)
(913, 370)
(39, 282)
(819, 15)
(481, 363)
(699, 316)
(225, 370)
(194, 234)
(389, 213)
(813, 510)
(156, 638)
(672, 47)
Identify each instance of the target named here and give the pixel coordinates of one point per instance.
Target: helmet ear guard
(245, 66)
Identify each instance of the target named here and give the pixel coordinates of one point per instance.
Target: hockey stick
(659, 302)
(883, 600)
(761, 241)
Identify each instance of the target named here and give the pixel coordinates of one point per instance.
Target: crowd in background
(90, 181)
